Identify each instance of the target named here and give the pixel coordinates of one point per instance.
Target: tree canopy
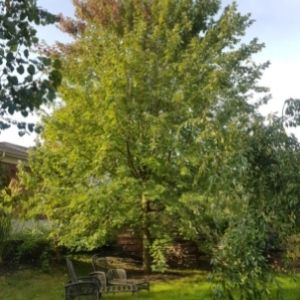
(158, 132)
(26, 80)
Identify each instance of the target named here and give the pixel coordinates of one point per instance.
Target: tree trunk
(146, 236)
(146, 252)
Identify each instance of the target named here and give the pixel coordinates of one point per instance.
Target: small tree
(256, 241)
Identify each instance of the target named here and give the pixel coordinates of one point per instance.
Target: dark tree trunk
(146, 237)
(146, 252)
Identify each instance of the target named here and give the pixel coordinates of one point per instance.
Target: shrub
(4, 233)
(29, 248)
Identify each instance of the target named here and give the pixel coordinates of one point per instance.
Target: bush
(159, 254)
(28, 248)
(241, 263)
(4, 233)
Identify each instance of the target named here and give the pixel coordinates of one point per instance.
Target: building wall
(181, 253)
(7, 173)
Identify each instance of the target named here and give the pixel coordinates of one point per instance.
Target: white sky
(277, 25)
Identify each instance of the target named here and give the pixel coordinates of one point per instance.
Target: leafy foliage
(291, 112)
(258, 234)
(26, 81)
(4, 231)
(161, 106)
(29, 247)
(5, 210)
(157, 133)
(159, 252)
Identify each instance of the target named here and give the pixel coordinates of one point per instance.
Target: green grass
(34, 285)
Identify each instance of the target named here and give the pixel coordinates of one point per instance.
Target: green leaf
(10, 56)
(20, 69)
(31, 70)
(13, 80)
(26, 53)
(57, 64)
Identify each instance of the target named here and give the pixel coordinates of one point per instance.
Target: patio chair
(81, 286)
(115, 275)
(114, 286)
(118, 277)
(100, 263)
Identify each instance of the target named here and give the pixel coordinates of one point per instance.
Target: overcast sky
(277, 25)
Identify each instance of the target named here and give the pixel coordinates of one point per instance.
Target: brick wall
(181, 254)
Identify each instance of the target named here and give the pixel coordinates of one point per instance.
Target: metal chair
(81, 286)
(116, 279)
(114, 285)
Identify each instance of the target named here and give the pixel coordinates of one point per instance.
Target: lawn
(34, 285)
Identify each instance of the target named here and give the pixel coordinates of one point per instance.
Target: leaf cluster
(26, 80)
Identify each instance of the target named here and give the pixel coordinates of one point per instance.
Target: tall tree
(155, 110)
(26, 81)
